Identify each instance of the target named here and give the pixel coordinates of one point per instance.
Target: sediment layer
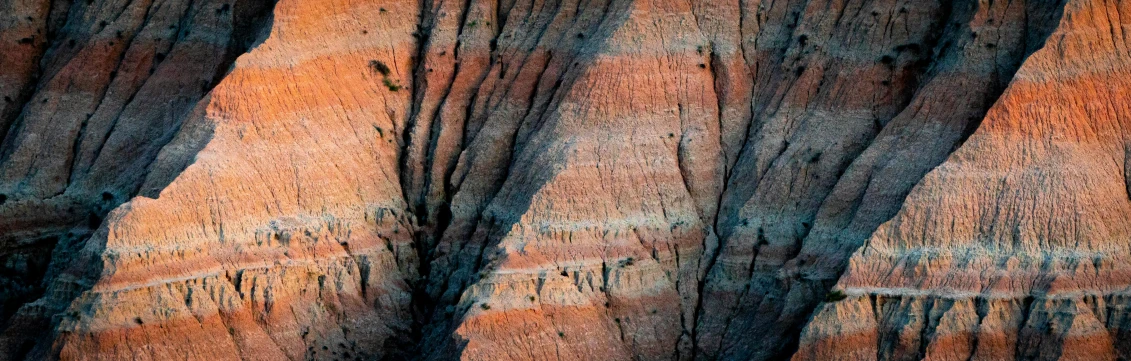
(562, 179)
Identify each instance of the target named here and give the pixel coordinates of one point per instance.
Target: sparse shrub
(628, 262)
(379, 67)
(393, 86)
(835, 296)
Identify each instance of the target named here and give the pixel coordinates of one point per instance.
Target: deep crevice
(791, 340)
(59, 257)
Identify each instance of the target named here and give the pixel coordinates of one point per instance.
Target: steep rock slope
(591, 244)
(92, 91)
(270, 227)
(826, 166)
(1014, 248)
(522, 179)
(823, 123)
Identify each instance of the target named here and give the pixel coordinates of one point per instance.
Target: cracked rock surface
(565, 180)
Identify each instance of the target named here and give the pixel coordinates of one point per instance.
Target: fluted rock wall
(826, 184)
(92, 92)
(1015, 247)
(268, 223)
(561, 179)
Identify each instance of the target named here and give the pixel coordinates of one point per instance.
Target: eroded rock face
(562, 179)
(93, 91)
(241, 243)
(1012, 248)
(831, 175)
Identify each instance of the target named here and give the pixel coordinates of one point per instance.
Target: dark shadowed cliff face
(565, 179)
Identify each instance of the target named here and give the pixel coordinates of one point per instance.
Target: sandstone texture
(565, 180)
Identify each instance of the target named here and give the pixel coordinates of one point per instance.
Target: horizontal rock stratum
(565, 180)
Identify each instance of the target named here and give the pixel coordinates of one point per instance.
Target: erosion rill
(1015, 247)
(565, 179)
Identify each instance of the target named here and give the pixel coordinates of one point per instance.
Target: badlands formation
(565, 180)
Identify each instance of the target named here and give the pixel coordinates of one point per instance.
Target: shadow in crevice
(767, 320)
(252, 21)
(50, 240)
(1044, 16)
(524, 173)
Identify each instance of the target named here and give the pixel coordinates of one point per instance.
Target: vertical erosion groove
(43, 233)
(802, 251)
(806, 80)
